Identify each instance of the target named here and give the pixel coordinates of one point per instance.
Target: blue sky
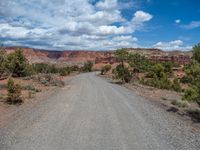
(100, 24)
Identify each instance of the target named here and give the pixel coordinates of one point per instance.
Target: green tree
(168, 67)
(193, 73)
(196, 52)
(3, 58)
(158, 77)
(156, 70)
(121, 56)
(122, 73)
(88, 66)
(17, 64)
(193, 79)
(13, 92)
(139, 63)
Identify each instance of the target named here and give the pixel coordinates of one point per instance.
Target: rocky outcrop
(157, 55)
(99, 57)
(68, 56)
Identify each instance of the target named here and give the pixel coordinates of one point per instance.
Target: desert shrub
(180, 103)
(158, 70)
(193, 72)
(196, 52)
(3, 59)
(176, 85)
(40, 67)
(122, 73)
(193, 79)
(185, 80)
(74, 68)
(65, 71)
(14, 92)
(168, 67)
(17, 64)
(121, 55)
(30, 87)
(105, 69)
(164, 83)
(87, 67)
(45, 68)
(161, 83)
(191, 94)
(53, 69)
(157, 77)
(48, 80)
(139, 63)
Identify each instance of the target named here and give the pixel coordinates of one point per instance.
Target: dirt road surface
(94, 114)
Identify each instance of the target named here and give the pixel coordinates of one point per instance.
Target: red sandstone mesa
(79, 57)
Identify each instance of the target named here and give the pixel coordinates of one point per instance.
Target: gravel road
(94, 114)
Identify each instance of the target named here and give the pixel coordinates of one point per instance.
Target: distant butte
(78, 57)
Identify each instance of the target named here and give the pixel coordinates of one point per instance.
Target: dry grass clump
(180, 103)
(49, 80)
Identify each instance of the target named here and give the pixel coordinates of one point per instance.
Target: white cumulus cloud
(172, 45)
(141, 16)
(64, 24)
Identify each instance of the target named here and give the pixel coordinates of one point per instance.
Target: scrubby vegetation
(192, 77)
(14, 92)
(105, 69)
(180, 103)
(15, 66)
(48, 80)
(176, 85)
(122, 71)
(154, 74)
(3, 58)
(46, 68)
(136, 67)
(196, 53)
(157, 77)
(139, 63)
(87, 66)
